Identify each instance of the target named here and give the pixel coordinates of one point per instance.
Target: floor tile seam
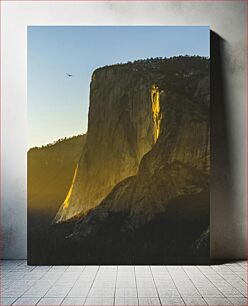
(230, 284)
(155, 285)
(73, 282)
(175, 284)
(91, 284)
(212, 283)
(136, 285)
(194, 283)
(115, 284)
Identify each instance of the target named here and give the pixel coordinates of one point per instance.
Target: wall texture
(227, 20)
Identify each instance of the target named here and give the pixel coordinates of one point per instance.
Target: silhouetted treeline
(163, 62)
(55, 142)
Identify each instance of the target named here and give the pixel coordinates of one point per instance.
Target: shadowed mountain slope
(50, 172)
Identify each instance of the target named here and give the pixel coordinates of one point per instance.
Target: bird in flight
(69, 75)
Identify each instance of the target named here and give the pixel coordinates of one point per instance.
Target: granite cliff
(123, 126)
(148, 122)
(140, 192)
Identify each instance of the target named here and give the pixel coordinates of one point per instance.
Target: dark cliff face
(161, 105)
(177, 166)
(141, 189)
(120, 131)
(165, 205)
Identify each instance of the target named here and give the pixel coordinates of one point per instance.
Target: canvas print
(119, 145)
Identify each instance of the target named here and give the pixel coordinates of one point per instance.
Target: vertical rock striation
(147, 141)
(124, 121)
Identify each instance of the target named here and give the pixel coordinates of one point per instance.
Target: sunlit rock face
(147, 142)
(156, 112)
(124, 122)
(173, 176)
(177, 166)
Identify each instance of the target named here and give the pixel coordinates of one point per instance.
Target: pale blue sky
(57, 104)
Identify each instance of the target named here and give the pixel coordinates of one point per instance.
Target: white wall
(226, 18)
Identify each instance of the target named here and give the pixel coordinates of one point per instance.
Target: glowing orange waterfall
(66, 201)
(157, 115)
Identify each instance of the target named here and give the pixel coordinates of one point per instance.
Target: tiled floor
(123, 285)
